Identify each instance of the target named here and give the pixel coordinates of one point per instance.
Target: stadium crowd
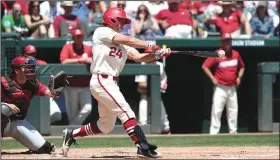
(150, 19)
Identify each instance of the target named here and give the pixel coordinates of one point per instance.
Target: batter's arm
(130, 41)
(134, 55)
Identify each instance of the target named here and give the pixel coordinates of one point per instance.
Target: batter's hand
(14, 108)
(162, 53)
(154, 47)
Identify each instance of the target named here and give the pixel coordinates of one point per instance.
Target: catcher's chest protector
(16, 95)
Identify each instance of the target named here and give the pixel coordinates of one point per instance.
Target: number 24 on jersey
(115, 53)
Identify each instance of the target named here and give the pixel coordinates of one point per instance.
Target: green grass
(166, 141)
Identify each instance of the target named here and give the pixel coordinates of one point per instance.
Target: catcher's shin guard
(46, 148)
(143, 147)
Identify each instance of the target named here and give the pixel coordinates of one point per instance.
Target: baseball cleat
(150, 153)
(68, 140)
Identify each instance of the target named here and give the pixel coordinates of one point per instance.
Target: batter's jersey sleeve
(105, 34)
(40, 88)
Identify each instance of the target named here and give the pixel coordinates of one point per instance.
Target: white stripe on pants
(224, 95)
(78, 104)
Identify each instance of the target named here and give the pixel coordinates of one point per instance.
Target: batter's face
(121, 25)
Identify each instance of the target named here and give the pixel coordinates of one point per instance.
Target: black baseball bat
(198, 53)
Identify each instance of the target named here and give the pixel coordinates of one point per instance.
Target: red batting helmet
(111, 15)
(27, 64)
(30, 49)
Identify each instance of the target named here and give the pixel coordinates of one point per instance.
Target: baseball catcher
(17, 90)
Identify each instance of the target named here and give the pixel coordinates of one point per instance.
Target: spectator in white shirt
(51, 9)
(155, 6)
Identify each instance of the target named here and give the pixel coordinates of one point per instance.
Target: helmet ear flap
(114, 21)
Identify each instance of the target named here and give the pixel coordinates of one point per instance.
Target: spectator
(55, 112)
(155, 6)
(77, 94)
(81, 11)
(146, 26)
(262, 23)
(130, 9)
(179, 27)
(14, 22)
(226, 79)
(64, 24)
(51, 9)
(231, 21)
(128, 28)
(30, 50)
(202, 11)
(8, 5)
(37, 24)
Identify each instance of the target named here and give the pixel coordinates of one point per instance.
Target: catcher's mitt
(57, 83)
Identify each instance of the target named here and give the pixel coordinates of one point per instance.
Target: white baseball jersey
(163, 77)
(108, 58)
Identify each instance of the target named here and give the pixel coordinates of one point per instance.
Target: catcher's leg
(27, 135)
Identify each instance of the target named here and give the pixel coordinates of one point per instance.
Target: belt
(106, 76)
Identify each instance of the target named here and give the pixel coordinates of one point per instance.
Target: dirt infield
(166, 152)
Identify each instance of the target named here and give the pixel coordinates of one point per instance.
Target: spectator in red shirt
(226, 79)
(30, 50)
(231, 21)
(77, 94)
(64, 24)
(179, 27)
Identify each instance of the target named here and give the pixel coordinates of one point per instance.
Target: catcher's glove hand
(57, 83)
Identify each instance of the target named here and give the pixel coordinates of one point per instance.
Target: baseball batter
(226, 79)
(17, 90)
(111, 50)
(143, 105)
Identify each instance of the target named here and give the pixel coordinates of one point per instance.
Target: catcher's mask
(26, 64)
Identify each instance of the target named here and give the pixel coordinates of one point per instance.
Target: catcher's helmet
(111, 15)
(27, 64)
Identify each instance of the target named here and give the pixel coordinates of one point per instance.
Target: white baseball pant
(224, 95)
(55, 112)
(78, 104)
(24, 133)
(143, 113)
(111, 102)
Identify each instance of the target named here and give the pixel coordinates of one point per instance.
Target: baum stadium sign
(248, 42)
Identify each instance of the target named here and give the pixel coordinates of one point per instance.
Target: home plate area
(166, 152)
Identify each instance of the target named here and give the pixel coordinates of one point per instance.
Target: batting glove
(154, 47)
(162, 53)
